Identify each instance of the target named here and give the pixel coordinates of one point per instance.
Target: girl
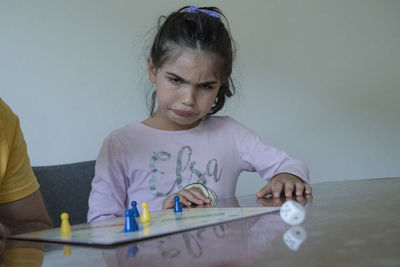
(181, 149)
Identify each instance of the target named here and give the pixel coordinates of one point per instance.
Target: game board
(164, 222)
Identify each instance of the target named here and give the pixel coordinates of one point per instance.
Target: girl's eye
(206, 86)
(175, 80)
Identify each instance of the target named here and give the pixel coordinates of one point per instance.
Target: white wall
(319, 79)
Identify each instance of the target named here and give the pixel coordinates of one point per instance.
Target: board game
(163, 222)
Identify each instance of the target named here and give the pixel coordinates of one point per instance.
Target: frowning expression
(187, 86)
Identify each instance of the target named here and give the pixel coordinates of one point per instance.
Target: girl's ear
(152, 70)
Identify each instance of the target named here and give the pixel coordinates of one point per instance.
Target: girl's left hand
(287, 184)
(192, 197)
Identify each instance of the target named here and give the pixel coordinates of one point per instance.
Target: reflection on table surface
(353, 223)
(232, 244)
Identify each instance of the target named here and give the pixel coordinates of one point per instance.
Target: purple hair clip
(195, 9)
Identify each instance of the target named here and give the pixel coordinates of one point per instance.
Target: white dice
(292, 212)
(294, 237)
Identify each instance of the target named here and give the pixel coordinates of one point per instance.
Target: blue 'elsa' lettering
(183, 163)
(163, 156)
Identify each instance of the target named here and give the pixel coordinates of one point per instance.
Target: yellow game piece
(67, 251)
(65, 227)
(145, 214)
(146, 229)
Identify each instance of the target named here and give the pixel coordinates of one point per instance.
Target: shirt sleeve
(266, 159)
(108, 194)
(18, 179)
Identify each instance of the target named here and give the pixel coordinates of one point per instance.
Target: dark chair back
(66, 188)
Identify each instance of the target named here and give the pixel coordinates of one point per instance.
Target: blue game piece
(130, 222)
(135, 209)
(177, 207)
(132, 250)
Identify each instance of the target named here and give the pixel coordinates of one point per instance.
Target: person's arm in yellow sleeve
(21, 204)
(24, 215)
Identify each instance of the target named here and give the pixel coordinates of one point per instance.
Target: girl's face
(186, 89)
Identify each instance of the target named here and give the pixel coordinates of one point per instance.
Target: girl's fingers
(264, 191)
(289, 187)
(199, 194)
(299, 189)
(169, 202)
(187, 197)
(277, 189)
(308, 189)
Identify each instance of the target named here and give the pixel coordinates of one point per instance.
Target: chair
(66, 188)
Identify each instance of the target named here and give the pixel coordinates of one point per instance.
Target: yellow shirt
(17, 179)
(21, 257)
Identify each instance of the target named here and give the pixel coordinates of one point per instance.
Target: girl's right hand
(192, 197)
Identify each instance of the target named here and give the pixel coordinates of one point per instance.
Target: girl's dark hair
(201, 31)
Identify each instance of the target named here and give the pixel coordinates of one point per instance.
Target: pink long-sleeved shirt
(140, 163)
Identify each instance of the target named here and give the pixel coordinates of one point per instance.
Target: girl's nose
(188, 96)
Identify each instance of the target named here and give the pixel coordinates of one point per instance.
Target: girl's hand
(188, 198)
(277, 202)
(287, 184)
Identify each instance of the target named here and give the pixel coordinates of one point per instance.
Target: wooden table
(352, 223)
